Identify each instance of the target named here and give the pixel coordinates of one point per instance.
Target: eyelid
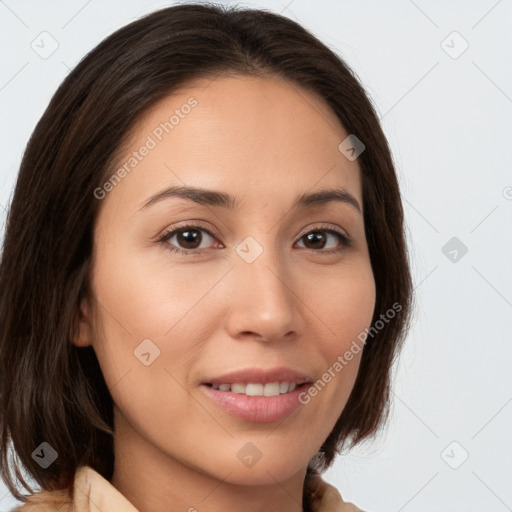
(197, 224)
(213, 232)
(324, 226)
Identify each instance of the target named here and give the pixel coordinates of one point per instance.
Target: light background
(448, 123)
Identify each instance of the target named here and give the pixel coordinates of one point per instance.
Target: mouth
(258, 389)
(259, 396)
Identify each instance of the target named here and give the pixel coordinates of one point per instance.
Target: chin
(269, 466)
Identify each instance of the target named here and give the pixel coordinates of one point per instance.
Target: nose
(263, 302)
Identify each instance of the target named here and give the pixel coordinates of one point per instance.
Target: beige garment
(93, 493)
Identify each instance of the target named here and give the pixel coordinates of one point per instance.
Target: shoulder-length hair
(53, 391)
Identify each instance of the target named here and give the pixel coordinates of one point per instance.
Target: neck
(154, 481)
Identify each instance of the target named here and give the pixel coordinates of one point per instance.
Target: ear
(83, 335)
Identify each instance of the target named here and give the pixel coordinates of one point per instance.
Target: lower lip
(257, 409)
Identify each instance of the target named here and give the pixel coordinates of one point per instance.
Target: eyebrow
(223, 200)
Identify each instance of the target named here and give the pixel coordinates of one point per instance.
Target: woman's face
(264, 294)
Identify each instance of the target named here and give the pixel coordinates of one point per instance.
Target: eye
(187, 239)
(318, 239)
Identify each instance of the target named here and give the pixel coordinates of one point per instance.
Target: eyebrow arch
(223, 200)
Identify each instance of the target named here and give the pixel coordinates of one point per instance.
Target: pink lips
(280, 374)
(258, 409)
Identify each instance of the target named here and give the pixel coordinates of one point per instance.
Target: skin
(264, 141)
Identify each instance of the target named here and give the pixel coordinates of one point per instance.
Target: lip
(260, 376)
(257, 409)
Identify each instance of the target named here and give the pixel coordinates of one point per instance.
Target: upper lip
(260, 376)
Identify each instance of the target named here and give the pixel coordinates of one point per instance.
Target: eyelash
(346, 241)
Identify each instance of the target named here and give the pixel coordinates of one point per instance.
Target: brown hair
(53, 391)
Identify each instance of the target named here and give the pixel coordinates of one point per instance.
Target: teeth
(254, 390)
(257, 389)
(271, 389)
(237, 388)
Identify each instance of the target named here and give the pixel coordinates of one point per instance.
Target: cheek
(344, 304)
(150, 294)
(349, 313)
(343, 307)
(149, 315)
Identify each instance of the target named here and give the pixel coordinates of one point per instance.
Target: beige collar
(93, 493)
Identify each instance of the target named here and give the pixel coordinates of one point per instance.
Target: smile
(258, 389)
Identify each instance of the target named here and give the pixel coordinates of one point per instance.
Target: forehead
(252, 137)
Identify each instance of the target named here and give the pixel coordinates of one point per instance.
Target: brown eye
(187, 239)
(319, 238)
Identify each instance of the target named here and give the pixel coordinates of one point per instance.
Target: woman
(204, 279)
